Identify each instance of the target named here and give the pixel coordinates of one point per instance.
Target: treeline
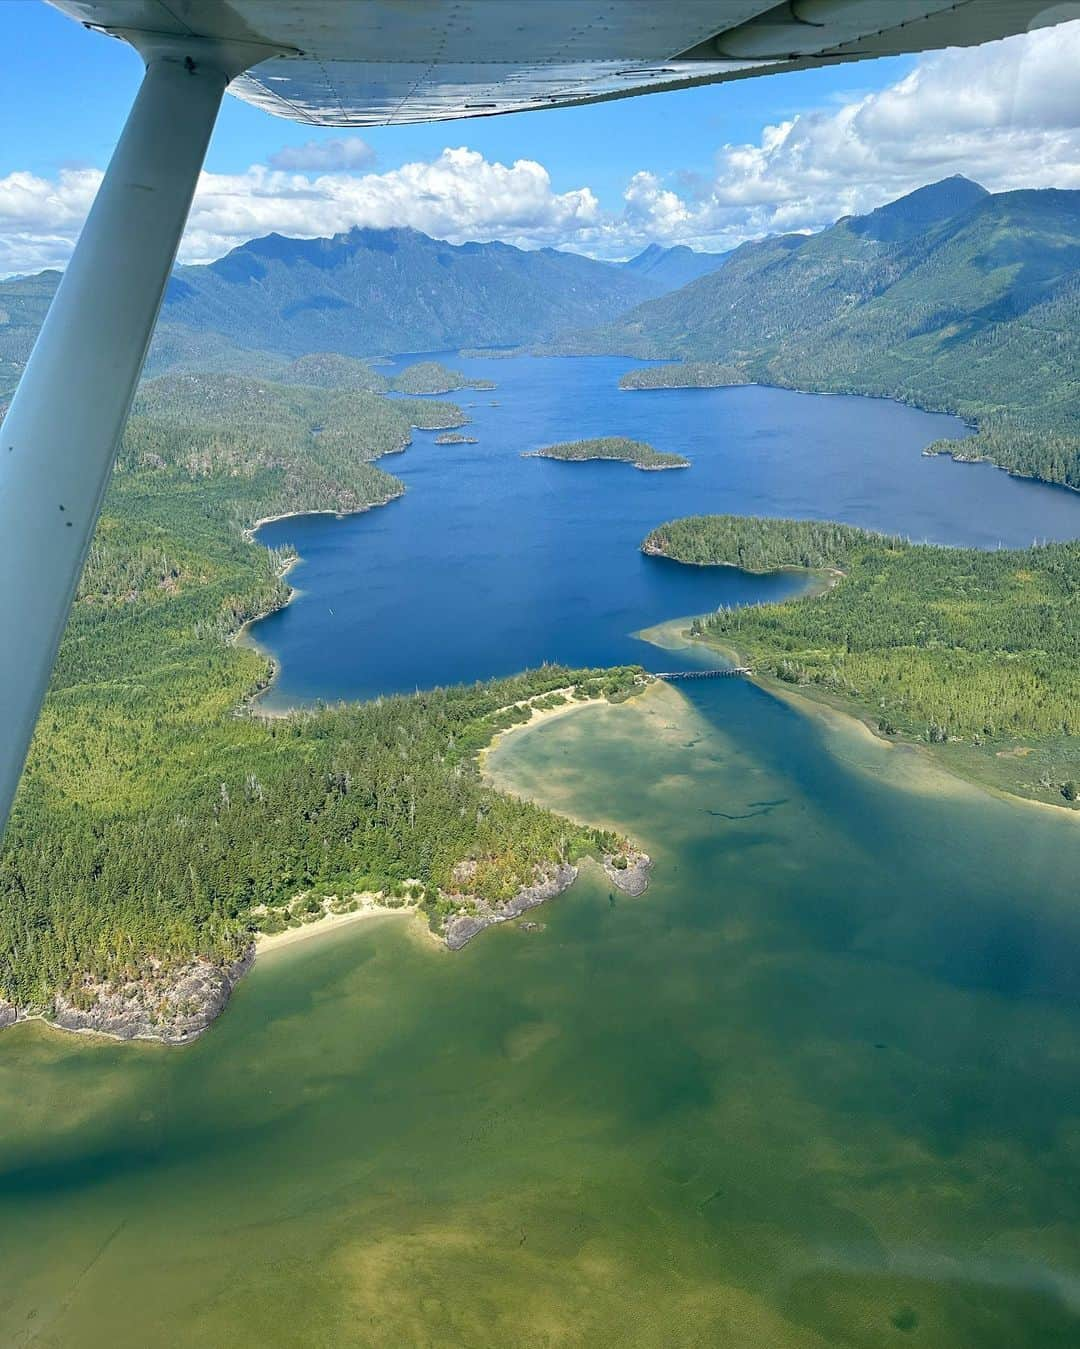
(684, 375)
(937, 643)
(257, 449)
(758, 544)
(1050, 455)
(152, 819)
(428, 377)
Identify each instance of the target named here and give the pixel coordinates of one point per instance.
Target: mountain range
(951, 297)
(364, 293)
(674, 267)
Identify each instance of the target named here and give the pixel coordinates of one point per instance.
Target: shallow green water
(817, 1087)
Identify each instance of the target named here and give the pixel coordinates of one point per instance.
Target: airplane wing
(384, 62)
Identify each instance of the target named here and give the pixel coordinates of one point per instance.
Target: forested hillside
(943, 645)
(951, 298)
(152, 818)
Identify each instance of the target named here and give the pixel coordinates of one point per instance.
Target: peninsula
(430, 377)
(685, 375)
(254, 818)
(968, 652)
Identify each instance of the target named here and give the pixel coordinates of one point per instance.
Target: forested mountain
(672, 268)
(363, 293)
(950, 297)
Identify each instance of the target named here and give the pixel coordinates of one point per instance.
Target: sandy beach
(370, 907)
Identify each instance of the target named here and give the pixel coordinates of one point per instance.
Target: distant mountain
(951, 297)
(365, 292)
(672, 268)
(23, 302)
(375, 291)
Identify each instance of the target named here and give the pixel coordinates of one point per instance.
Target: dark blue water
(491, 563)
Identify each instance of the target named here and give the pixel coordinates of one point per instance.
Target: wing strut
(60, 436)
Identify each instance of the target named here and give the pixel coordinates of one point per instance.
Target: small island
(685, 375)
(620, 448)
(455, 438)
(429, 377)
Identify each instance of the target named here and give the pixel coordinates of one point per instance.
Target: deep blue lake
(491, 563)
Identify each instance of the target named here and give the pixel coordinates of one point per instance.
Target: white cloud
(342, 154)
(1007, 114)
(459, 195)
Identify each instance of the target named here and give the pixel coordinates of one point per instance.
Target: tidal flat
(815, 1087)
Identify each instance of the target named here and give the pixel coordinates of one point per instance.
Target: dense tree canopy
(152, 818)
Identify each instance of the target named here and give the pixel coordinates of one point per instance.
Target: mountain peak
(919, 210)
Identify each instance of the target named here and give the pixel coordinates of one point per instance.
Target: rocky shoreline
(460, 929)
(175, 1007)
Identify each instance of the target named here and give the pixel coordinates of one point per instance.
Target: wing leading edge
(381, 62)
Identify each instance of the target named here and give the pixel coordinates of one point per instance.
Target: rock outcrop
(633, 877)
(462, 927)
(174, 1007)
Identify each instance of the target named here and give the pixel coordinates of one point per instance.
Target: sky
(707, 167)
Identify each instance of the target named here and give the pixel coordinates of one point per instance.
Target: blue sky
(698, 166)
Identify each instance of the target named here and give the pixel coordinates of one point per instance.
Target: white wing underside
(383, 62)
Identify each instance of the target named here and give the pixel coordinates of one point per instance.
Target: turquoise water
(817, 1087)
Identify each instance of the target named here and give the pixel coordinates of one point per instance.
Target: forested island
(974, 653)
(626, 451)
(684, 375)
(455, 438)
(429, 377)
(140, 738)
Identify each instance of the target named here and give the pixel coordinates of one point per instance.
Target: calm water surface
(489, 564)
(818, 1087)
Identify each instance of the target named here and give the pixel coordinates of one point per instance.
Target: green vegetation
(949, 298)
(152, 819)
(626, 451)
(684, 375)
(455, 438)
(430, 377)
(758, 544)
(328, 370)
(950, 646)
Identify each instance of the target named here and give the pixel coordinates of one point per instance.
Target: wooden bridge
(728, 672)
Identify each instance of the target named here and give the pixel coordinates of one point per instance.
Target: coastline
(602, 459)
(369, 907)
(949, 778)
(538, 715)
(181, 1005)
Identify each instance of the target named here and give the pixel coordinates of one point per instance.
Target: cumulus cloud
(459, 195)
(341, 154)
(1006, 114)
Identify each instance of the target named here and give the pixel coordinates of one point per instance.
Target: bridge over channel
(728, 672)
